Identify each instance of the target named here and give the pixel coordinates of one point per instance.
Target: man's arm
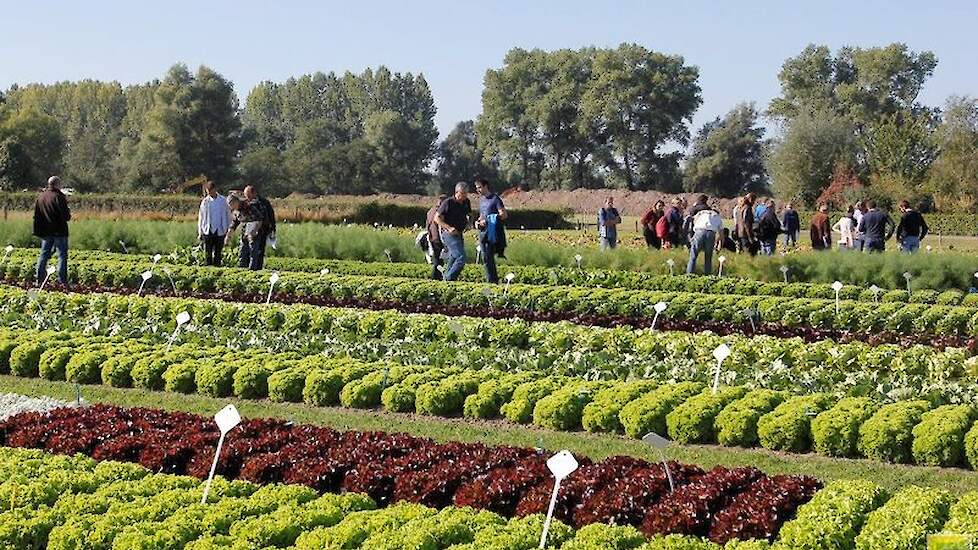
(924, 230)
(64, 205)
(889, 223)
(440, 221)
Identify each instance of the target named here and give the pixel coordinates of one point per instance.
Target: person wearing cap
(51, 216)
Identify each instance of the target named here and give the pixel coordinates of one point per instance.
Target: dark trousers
(48, 246)
(489, 259)
(213, 248)
(252, 254)
(436, 249)
(651, 239)
(874, 246)
(748, 246)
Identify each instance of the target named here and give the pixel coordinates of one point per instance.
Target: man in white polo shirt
(213, 222)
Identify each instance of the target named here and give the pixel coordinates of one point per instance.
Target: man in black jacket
(912, 228)
(51, 215)
(257, 250)
(876, 228)
(768, 229)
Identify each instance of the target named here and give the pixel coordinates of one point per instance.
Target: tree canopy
(726, 157)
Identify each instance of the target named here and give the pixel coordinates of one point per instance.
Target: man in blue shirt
(491, 216)
(608, 220)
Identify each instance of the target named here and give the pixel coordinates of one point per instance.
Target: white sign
(578, 257)
(51, 269)
(510, 277)
(659, 308)
(157, 258)
(671, 263)
(227, 418)
(9, 249)
(324, 271)
(720, 271)
(147, 275)
(271, 280)
(720, 353)
(561, 465)
(660, 443)
(274, 278)
(784, 272)
(183, 318)
(837, 286)
(908, 276)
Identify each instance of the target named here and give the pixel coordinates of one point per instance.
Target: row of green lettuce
(889, 372)
(563, 276)
(73, 503)
(908, 318)
(913, 431)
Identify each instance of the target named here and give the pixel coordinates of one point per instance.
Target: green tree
(460, 158)
(802, 162)
(39, 139)
(899, 153)
(953, 178)
(726, 156)
(15, 165)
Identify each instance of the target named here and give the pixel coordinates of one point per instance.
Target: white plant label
(51, 269)
(124, 249)
(157, 258)
(671, 263)
(908, 276)
(271, 286)
(720, 353)
(509, 279)
(324, 271)
(876, 292)
(560, 465)
(784, 272)
(183, 318)
(226, 419)
(578, 258)
(659, 308)
(9, 249)
(387, 253)
(660, 443)
(837, 287)
(721, 259)
(147, 275)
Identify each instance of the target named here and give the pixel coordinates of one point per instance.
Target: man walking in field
(706, 227)
(51, 215)
(213, 221)
(251, 218)
(490, 226)
(453, 218)
(260, 205)
(820, 229)
(608, 220)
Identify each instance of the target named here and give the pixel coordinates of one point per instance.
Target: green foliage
(287, 385)
(836, 431)
(887, 435)
(726, 157)
(562, 409)
(788, 426)
(833, 517)
(693, 421)
(648, 413)
(736, 425)
(601, 414)
(905, 520)
(520, 407)
(939, 438)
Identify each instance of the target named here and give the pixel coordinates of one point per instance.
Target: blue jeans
(608, 243)
(791, 238)
(873, 246)
(910, 244)
(456, 254)
(768, 247)
(48, 246)
(703, 240)
(252, 254)
(489, 258)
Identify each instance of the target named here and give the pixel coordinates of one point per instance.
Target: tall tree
(34, 145)
(953, 178)
(726, 156)
(460, 158)
(803, 161)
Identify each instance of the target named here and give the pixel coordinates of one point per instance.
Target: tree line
(846, 124)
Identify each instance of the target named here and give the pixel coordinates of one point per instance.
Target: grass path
(596, 446)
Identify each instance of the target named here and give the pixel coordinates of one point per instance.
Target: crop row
(904, 431)
(610, 305)
(392, 468)
(854, 367)
(563, 276)
(63, 503)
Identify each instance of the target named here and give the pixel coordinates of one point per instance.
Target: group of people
(864, 227)
(220, 216)
(217, 220)
(450, 218)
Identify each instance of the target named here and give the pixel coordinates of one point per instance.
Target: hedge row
(902, 432)
(783, 364)
(562, 276)
(938, 320)
(327, 210)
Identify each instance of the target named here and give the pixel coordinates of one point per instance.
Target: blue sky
(739, 46)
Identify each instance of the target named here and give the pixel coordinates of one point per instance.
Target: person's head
(870, 204)
(861, 206)
(461, 191)
(677, 202)
(770, 203)
(751, 197)
(788, 206)
(823, 208)
(609, 202)
(482, 186)
(659, 205)
(701, 199)
(234, 202)
(726, 232)
(849, 211)
(250, 192)
(904, 206)
(54, 183)
(210, 189)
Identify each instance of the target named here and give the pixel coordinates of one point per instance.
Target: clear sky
(739, 46)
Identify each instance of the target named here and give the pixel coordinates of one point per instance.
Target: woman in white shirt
(846, 228)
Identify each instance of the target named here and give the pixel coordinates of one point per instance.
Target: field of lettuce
(785, 415)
